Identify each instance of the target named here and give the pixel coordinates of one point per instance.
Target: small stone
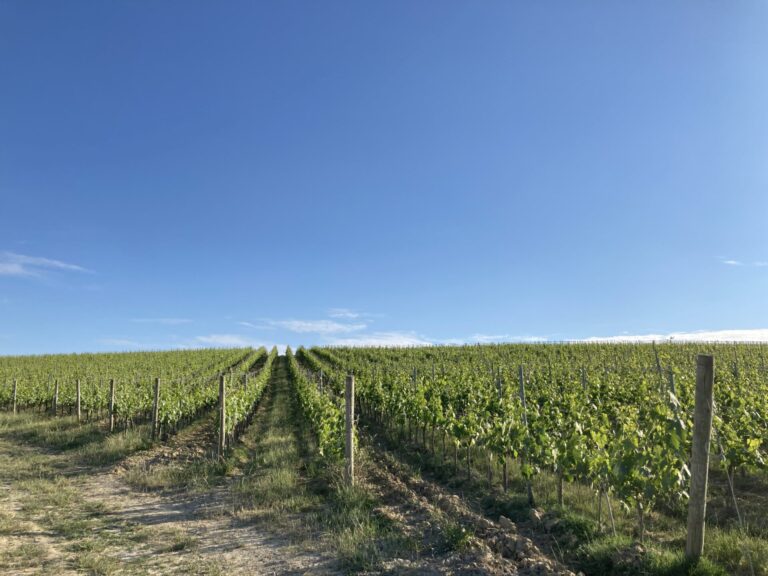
(523, 547)
(535, 516)
(506, 523)
(505, 546)
(484, 525)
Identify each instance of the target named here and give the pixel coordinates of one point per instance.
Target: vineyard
(618, 418)
(585, 448)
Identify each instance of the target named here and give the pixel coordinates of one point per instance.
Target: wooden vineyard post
(55, 407)
(528, 487)
(505, 469)
(77, 401)
(14, 395)
(349, 447)
(672, 387)
(658, 367)
(222, 416)
(156, 409)
(702, 429)
(111, 404)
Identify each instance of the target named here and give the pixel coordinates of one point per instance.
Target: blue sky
(187, 173)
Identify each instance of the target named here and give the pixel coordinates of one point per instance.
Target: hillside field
(492, 459)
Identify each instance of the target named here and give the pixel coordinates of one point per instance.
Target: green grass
(178, 540)
(360, 537)
(286, 487)
(24, 555)
(42, 431)
(114, 447)
(734, 551)
(97, 564)
(194, 476)
(455, 537)
(621, 556)
(8, 523)
(84, 445)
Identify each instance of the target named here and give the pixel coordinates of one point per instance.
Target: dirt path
(59, 516)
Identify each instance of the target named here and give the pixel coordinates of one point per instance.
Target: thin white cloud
(493, 339)
(13, 264)
(406, 338)
(163, 321)
(225, 340)
(382, 339)
(12, 269)
(343, 313)
(749, 335)
(485, 338)
(752, 264)
(317, 326)
(231, 341)
(261, 324)
(350, 314)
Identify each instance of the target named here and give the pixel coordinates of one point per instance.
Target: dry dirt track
(60, 516)
(136, 532)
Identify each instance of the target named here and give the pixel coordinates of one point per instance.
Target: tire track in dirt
(492, 547)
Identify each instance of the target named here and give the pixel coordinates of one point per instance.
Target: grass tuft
(735, 552)
(192, 476)
(25, 555)
(114, 447)
(620, 556)
(455, 537)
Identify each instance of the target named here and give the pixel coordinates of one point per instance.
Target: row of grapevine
(183, 398)
(244, 388)
(617, 417)
(322, 408)
(188, 381)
